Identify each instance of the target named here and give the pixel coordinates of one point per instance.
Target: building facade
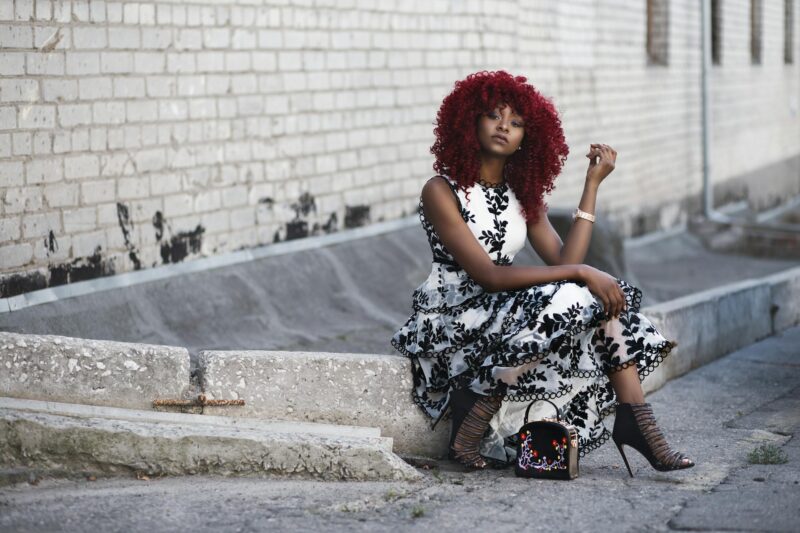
(136, 134)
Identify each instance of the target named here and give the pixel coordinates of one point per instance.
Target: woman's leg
(626, 385)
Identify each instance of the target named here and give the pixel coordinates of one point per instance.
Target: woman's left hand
(602, 159)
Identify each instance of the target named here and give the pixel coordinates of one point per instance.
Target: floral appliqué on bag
(529, 457)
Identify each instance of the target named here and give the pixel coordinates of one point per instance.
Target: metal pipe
(708, 192)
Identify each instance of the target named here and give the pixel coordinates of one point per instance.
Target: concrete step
(62, 437)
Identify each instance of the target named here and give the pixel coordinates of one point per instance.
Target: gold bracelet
(582, 214)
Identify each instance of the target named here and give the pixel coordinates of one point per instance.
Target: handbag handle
(558, 413)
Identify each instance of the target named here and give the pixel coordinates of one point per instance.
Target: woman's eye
(495, 116)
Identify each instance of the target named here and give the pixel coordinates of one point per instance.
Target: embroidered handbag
(547, 448)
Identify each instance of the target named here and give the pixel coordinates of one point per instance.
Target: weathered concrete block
(94, 372)
(708, 325)
(785, 288)
(75, 438)
(338, 388)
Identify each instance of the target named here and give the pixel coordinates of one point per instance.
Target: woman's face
(501, 122)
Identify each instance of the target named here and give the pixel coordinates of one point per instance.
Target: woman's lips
(499, 139)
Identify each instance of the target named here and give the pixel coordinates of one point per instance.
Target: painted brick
(201, 109)
(43, 171)
(86, 244)
(79, 220)
(94, 88)
(11, 173)
(19, 90)
(61, 194)
(98, 191)
(89, 38)
(16, 255)
(80, 63)
(38, 225)
(12, 63)
(36, 116)
(16, 36)
(59, 90)
(81, 166)
(10, 229)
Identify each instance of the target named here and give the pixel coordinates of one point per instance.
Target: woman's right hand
(605, 287)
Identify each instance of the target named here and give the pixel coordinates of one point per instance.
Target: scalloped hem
(661, 351)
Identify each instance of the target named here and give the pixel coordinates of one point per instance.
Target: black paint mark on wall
(50, 243)
(126, 224)
(331, 225)
(158, 223)
(21, 283)
(79, 269)
(356, 216)
(90, 267)
(180, 244)
(298, 228)
(176, 249)
(304, 205)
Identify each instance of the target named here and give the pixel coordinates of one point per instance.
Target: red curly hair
(530, 171)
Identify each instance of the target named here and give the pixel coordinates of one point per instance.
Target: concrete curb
(337, 388)
(68, 438)
(93, 372)
(710, 324)
(785, 288)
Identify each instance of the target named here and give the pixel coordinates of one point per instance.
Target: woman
(484, 331)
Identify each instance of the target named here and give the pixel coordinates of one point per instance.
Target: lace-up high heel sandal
(471, 414)
(636, 426)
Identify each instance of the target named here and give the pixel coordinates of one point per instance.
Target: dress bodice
(495, 217)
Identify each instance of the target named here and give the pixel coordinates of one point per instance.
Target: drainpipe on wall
(708, 191)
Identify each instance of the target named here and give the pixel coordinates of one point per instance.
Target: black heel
(622, 453)
(441, 415)
(471, 413)
(635, 426)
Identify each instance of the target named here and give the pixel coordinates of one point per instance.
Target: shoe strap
(643, 413)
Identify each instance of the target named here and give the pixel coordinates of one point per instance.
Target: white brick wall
(224, 113)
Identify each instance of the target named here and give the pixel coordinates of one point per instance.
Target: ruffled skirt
(550, 341)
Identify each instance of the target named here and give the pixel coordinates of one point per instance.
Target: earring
(519, 147)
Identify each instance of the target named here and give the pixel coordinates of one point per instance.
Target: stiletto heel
(622, 453)
(441, 415)
(636, 426)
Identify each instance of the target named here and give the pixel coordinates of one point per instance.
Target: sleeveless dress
(548, 341)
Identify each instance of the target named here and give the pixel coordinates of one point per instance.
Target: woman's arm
(441, 209)
(544, 238)
(547, 243)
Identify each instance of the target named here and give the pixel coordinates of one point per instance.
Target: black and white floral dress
(548, 341)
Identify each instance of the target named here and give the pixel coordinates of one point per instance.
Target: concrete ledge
(785, 287)
(94, 372)
(708, 325)
(337, 388)
(68, 438)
